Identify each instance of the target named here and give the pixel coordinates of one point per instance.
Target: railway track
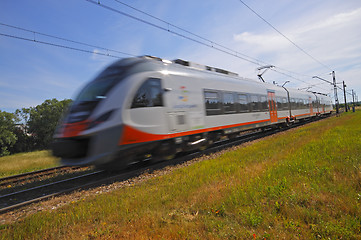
(94, 178)
(36, 175)
(24, 197)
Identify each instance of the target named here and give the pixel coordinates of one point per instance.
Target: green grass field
(301, 184)
(26, 162)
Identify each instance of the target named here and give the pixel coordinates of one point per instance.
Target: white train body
(149, 106)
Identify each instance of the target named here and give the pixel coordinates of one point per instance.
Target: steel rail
(28, 175)
(39, 190)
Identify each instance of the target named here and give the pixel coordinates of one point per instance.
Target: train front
(91, 129)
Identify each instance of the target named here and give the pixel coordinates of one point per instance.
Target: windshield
(98, 88)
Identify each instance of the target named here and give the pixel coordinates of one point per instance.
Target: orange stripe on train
(74, 129)
(131, 135)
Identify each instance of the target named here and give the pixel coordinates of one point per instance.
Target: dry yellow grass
(26, 162)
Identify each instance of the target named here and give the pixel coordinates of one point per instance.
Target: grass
(302, 184)
(26, 162)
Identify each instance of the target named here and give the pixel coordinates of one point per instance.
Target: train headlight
(104, 117)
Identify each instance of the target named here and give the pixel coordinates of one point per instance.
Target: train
(152, 108)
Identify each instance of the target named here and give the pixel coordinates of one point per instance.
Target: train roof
(133, 61)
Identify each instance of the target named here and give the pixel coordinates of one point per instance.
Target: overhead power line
(208, 43)
(203, 38)
(58, 45)
(189, 32)
(290, 76)
(292, 42)
(198, 39)
(98, 53)
(63, 39)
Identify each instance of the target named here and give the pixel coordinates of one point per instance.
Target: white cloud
(336, 21)
(328, 40)
(333, 40)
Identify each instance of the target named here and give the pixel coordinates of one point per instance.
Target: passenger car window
(243, 103)
(285, 103)
(213, 102)
(228, 103)
(149, 94)
(264, 103)
(293, 103)
(254, 103)
(307, 103)
(279, 103)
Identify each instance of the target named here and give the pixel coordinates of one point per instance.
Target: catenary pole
(344, 94)
(353, 100)
(335, 90)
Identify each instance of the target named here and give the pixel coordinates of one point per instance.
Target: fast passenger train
(147, 106)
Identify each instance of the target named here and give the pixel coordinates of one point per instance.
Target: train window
(149, 94)
(228, 103)
(293, 103)
(297, 103)
(255, 103)
(213, 103)
(308, 103)
(302, 103)
(243, 103)
(284, 104)
(264, 103)
(279, 103)
(314, 104)
(305, 103)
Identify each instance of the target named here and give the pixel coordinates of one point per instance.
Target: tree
(31, 128)
(23, 116)
(7, 136)
(43, 119)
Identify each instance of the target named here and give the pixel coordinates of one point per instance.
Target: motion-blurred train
(147, 106)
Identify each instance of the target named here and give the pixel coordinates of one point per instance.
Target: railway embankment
(304, 183)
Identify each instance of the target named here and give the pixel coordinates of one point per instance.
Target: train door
(272, 106)
(177, 99)
(184, 111)
(310, 104)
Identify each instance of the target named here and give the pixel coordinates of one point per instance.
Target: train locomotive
(147, 106)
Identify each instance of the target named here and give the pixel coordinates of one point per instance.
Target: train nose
(70, 148)
(91, 149)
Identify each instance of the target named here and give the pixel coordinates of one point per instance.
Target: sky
(41, 58)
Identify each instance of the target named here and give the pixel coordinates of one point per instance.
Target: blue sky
(330, 31)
